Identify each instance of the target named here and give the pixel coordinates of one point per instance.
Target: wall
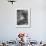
(8, 28)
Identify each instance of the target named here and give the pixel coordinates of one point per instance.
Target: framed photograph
(23, 17)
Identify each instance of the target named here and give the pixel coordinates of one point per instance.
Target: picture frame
(23, 18)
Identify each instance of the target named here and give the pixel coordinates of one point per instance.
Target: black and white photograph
(23, 17)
